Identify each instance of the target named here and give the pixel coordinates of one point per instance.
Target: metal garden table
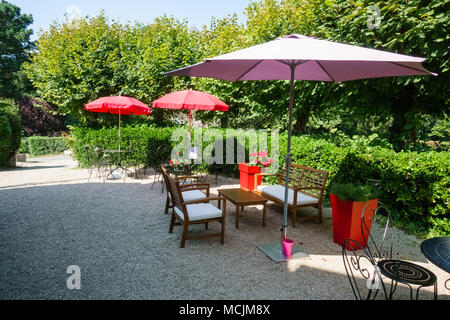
(437, 250)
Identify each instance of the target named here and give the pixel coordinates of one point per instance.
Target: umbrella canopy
(317, 60)
(297, 57)
(191, 100)
(118, 105)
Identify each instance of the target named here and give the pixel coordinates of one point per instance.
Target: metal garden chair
(368, 264)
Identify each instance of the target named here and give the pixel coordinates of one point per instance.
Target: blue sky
(198, 12)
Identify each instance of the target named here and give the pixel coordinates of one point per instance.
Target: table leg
(219, 202)
(264, 215)
(237, 217)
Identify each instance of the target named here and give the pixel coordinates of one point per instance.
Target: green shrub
(24, 146)
(353, 191)
(143, 141)
(46, 145)
(10, 131)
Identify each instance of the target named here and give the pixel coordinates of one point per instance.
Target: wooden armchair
(191, 191)
(198, 211)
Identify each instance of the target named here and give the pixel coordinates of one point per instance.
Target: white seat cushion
(200, 211)
(190, 195)
(277, 191)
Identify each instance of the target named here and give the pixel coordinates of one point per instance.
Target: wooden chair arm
(187, 177)
(263, 174)
(208, 199)
(204, 184)
(306, 188)
(193, 188)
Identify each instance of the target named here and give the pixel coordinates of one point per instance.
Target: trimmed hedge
(414, 186)
(38, 146)
(10, 131)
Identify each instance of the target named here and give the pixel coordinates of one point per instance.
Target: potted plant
(258, 163)
(348, 201)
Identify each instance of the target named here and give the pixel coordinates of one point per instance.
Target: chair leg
(294, 216)
(166, 210)
(184, 235)
(224, 211)
(206, 226)
(319, 208)
(172, 222)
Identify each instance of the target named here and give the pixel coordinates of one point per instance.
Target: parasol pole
(190, 127)
(119, 130)
(292, 66)
(119, 136)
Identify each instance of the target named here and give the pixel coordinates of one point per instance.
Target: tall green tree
(14, 44)
(413, 27)
(75, 64)
(253, 102)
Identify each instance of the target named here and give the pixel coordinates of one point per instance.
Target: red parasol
(118, 105)
(190, 100)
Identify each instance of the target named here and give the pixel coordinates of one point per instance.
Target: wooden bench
(307, 186)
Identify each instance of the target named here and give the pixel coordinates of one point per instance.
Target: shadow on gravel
(32, 168)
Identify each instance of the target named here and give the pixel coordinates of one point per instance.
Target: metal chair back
(360, 259)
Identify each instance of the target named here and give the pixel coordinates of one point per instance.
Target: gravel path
(117, 233)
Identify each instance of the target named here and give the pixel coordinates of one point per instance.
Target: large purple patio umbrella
(297, 57)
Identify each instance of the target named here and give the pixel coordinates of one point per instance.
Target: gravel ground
(117, 233)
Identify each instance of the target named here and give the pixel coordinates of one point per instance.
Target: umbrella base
(274, 251)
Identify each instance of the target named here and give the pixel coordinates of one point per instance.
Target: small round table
(437, 250)
(116, 162)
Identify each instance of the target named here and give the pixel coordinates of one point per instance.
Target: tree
(253, 102)
(77, 64)
(15, 42)
(413, 27)
(10, 130)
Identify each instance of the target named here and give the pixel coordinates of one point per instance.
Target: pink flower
(256, 161)
(254, 155)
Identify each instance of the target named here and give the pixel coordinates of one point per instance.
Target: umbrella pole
(119, 139)
(190, 127)
(119, 132)
(288, 155)
(274, 250)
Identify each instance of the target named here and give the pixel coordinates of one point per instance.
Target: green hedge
(38, 146)
(10, 131)
(143, 140)
(414, 186)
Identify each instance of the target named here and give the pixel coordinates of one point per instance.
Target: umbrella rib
(247, 71)
(408, 67)
(323, 69)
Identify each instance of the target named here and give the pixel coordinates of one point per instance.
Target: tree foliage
(10, 130)
(14, 42)
(75, 65)
(39, 118)
(413, 27)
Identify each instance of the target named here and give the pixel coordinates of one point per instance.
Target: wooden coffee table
(241, 198)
